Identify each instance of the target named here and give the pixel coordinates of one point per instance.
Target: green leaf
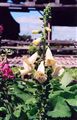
(1, 118)
(2, 109)
(61, 109)
(72, 102)
(66, 79)
(17, 111)
(7, 117)
(30, 90)
(30, 100)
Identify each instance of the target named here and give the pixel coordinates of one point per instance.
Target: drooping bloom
(23, 73)
(49, 59)
(48, 29)
(33, 58)
(37, 41)
(40, 75)
(57, 70)
(28, 64)
(36, 31)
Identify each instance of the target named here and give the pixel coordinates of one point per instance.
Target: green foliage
(29, 100)
(73, 72)
(61, 109)
(66, 79)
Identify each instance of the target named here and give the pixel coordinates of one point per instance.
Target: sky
(30, 21)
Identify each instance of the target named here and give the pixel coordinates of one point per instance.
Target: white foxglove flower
(33, 58)
(57, 70)
(23, 72)
(30, 60)
(28, 64)
(49, 59)
(40, 73)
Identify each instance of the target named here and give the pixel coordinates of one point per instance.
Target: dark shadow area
(11, 28)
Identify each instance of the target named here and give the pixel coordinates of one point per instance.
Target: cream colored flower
(30, 60)
(33, 58)
(37, 41)
(24, 72)
(28, 64)
(40, 73)
(48, 29)
(57, 70)
(49, 59)
(36, 31)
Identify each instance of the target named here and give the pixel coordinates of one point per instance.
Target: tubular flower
(24, 72)
(57, 70)
(37, 41)
(49, 60)
(36, 31)
(30, 60)
(33, 58)
(28, 64)
(40, 75)
(48, 29)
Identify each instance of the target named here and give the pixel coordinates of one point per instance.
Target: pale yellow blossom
(57, 70)
(36, 31)
(30, 60)
(33, 58)
(37, 41)
(48, 29)
(40, 75)
(28, 64)
(49, 59)
(24, 72)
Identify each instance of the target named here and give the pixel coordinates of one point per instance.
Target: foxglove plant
(46, 68)
(51, 86)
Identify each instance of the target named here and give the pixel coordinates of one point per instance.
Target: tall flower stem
(44, 44)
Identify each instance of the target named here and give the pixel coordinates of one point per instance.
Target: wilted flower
(40, 73)
(48, 29)
(37, 41)
(57, 70)
(36, 31)
(49, 60)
